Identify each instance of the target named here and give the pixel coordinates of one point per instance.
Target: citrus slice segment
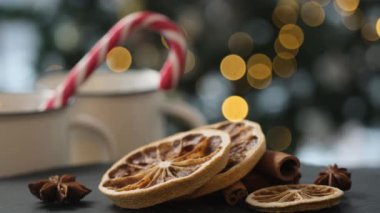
(247, 147)
(166, 169)
(294, 198)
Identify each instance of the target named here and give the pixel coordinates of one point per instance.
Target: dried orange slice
(247, 147)
(294, 198)
(166, 169)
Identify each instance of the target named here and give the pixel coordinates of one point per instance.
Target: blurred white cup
(31, 139)
(114, 113)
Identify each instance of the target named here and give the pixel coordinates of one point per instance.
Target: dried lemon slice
(166, 169)
(247, 147)
(294, 198)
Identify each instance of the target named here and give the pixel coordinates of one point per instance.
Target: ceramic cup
(116, 113)
(31, 139)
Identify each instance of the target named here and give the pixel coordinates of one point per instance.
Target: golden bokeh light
(259, 58)
(283, 52)
(348, 6)
(233, 67)
(284, 67)
(279, 138)
(259, 76)
(235, 108)
(284, 14)
(119, 59)
(190, 61)
(240, 43)
(378, 27)
(369, 32)
(163, 41)
(291, 36)
(312, 14)
(354, 21)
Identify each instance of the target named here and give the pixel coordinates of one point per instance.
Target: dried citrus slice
(247, 147)
(294, 198)
(166, 169)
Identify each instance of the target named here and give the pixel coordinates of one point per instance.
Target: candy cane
(170, 72)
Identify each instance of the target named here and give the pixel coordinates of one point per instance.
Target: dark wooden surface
(364, 196)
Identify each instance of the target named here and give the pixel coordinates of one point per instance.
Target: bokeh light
(284, 14)
(67, 35)
(259, 76)
(378, 27)
(240, 43)
(190, 61)
(312, 14)
(119, 59)
(354, 21)
(279, 138)
(259, 58)
(291, 36)
(233, 67)
(163, 41)
(235, 108)
(347, 5)
(284, 67)
(369, 32)
(283, 52)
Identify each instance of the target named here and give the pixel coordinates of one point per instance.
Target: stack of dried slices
(196, 163)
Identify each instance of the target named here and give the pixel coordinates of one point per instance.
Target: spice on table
(59, 189)
(234, 193)
(335, 176)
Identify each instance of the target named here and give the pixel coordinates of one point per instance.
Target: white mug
(116, 113)
(31, 139)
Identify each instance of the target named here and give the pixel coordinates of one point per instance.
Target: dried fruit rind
(172, 167)
(294, 198)
(247, 147)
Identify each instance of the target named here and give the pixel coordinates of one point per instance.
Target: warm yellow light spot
(259, 58)
(369, 32)
(232, 67)
(347, 5)
(259, 76)
(240, 43)
(291, 36)
(235, 108)
(284, 67)
(279, 138)
(378, 27)
(284, 52)
(119, 59)
(163, 41)
(312, 14)
(284, 14)
(190, 61)
(354, 21)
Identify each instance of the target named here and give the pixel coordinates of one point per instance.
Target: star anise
(336, 177)
(59, 189)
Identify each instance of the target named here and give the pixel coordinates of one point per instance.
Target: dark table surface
(364, 197)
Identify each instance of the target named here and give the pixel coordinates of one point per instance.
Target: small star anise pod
(59, 189)
(336, 177)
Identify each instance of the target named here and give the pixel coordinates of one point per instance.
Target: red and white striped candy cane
(170, 72)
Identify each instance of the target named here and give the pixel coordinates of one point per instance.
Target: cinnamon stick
(279, 165)
(234, 193)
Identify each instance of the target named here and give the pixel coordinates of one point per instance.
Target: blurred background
(307, 70)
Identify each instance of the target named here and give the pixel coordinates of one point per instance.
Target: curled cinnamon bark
(279, 165)
(234, 193)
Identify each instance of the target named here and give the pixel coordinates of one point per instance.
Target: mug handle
(184, 112)
(93, 125)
